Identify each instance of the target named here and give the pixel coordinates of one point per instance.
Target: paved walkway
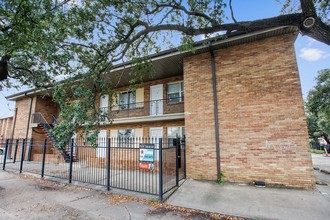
(321, 162)
(29, 198)
(22, 198)
(252, 202)
(260, 203)
(321, 166)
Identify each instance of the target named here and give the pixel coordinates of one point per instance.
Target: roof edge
(172, 52)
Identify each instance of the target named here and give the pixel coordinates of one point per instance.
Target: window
(127, 100)
(125, 137)
(173, 133)
(175, 92)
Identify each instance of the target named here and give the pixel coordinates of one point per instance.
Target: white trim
(180, 130)
(174, 82)
(101, 150)
(181, 90)
(156, 104)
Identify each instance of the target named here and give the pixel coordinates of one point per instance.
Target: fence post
(30, 149)
(185, 158)
(160, 148)
(108, 164)
(22, 156)
(71, 160)
(15, 151)
(5, 155)
(177, 161)
(43, 158)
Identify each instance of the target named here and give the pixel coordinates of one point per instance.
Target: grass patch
(314, 151)
(222, 180)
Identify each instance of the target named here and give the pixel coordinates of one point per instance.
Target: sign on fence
(147, 156)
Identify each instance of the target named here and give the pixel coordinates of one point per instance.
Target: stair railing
(68, 148)
(54, 119)
(38, 117)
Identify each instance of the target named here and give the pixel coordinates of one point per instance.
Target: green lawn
(314, 151)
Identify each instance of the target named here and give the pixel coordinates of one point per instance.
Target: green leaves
(83, 40)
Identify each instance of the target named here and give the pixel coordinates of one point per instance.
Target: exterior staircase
(39, 119)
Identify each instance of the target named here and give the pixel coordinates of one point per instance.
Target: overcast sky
(312, 56)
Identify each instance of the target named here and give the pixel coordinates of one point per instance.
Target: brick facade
(47, 107)
(22, 117)
(263, 132)
(145, 126)
(6, 125)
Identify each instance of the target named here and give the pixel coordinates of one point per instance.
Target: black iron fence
(147, 165)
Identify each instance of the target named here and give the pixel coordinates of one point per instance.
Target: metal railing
(38, 118)
(147, 165)
(146, 108)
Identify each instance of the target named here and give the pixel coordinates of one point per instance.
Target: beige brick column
(263, 132)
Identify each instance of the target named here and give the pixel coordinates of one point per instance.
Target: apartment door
(156, 100)
(156, 133)
(102, 144)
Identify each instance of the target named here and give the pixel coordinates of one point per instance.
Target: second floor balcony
(146, 109)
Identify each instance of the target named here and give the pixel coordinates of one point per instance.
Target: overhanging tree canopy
(41, 39)
(318, 107)
(44, 40)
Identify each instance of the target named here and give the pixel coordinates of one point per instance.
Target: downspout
(216, 115)
(29, 118)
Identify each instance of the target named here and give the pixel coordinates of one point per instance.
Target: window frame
(128, 104)
(126, 142)
(181, 134)
(181, 93)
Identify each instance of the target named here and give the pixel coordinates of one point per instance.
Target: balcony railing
(146, 108)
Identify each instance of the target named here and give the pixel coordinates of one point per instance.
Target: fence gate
(147, 165)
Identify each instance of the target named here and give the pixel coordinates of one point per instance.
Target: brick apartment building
(237, 101)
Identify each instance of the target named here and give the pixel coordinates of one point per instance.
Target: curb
(325, 171)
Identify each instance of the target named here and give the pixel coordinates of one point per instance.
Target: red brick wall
(145, 126)
(5, 127)
(144, 110)
(263, 132)
(47, 108)
(22, 117)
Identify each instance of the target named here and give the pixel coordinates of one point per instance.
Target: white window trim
(122, 142)
(180, 130)
(181, 91)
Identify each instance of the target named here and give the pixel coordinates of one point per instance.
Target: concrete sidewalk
(321, 162)
(253, 202)
(27, 197)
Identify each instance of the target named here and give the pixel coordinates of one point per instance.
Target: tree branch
(232, 12)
